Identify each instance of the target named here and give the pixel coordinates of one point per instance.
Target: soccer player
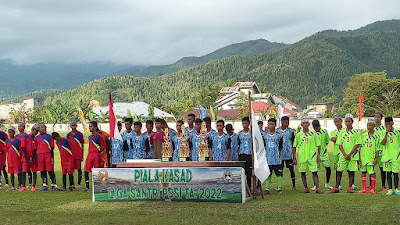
(157, 138)
(13, 150)
(149, 131)
(29, 159)
(323, 138)
(391, 155)
(380, 129)
(195, 140)
(44, 148)
(21, 135)
(176, 141)
(210, 132)
(221, 144)
(127, 137)
(244, 146)
(105, 155)
(190, 130)
(116, 148)
(308, 149)
(76, 142)
(273, 146)
(287, 148)
(3, 139)
(67, 160)
(97, 144)
(369, 154)
(337, 119)
(260, 125)
(348, 140)
(140, 143)
(233, 156)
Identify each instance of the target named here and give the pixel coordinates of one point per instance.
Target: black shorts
(289, 163)
(247, 159)
(277, 169)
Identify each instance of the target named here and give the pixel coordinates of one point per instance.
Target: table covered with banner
(171, 181)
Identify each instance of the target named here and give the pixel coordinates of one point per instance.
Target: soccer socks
(12, 180)
(23, 179)
(5, 175)
(293, 176)
(71, 179)
(43, 175)
(34, 179)
(29, 178)
(396, 180)
(383, 176)
(87, 179)
(328, 172)
(19, 180)
(268, 183)
(64, 181)
(364, 180)
(279, 181)
(373, 181)
(79, 176)
(52, 176)
(389, 180)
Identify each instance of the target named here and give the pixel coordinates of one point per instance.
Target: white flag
(261, 169)
(280, 113)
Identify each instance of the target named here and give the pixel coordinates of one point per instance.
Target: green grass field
(292, 207)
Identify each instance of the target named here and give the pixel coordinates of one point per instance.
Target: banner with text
(216, 184)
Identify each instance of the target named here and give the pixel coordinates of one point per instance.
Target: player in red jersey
(44, 146)
(3, 139)
(21, 135)
(13, 150)
(76, 142)
(29, 159)
(97, 144)
(67, 164)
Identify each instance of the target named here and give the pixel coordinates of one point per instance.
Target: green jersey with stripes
(369, 147)
(348, 139)
(335, 133)
(381, 131)
(323, 138)
(306, 145)
(391, 150)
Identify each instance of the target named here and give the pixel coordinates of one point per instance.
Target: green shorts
(393, 167)
(380, 163)
(370, 169)
(349, 165)
(312, 166)
(325, 162)
(335, 161)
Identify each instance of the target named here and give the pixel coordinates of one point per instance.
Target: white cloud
(160, 32)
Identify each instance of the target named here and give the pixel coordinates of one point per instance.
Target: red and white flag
(112, 118)
(360, 112)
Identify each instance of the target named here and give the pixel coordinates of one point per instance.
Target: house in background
(136, 108)
(324, 107)
(27, 104)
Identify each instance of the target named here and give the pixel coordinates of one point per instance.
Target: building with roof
(136, 108)
(26, 104)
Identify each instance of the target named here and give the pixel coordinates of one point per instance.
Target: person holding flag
(306, 154)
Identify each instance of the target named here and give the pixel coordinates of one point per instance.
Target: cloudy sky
(149, 32)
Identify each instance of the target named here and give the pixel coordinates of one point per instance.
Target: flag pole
(252, 149)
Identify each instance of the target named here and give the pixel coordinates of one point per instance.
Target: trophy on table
(166, 148)
(184, 151)
(203, 145)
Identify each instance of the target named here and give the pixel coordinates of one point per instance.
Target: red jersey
(44, 143)
(76, 142)
(65, 152)
(96, 143)
(157, 137)
(13, 150)
(27, 142)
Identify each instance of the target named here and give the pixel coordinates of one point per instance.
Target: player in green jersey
(323, 138)
(369, 154)
(391, 155)
(337, 119)
(348, 141)
(308, 149)
(380, 129)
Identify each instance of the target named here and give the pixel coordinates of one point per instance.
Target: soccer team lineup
(25, 155)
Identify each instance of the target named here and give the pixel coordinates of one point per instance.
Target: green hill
(247, 48)
(317, 66)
